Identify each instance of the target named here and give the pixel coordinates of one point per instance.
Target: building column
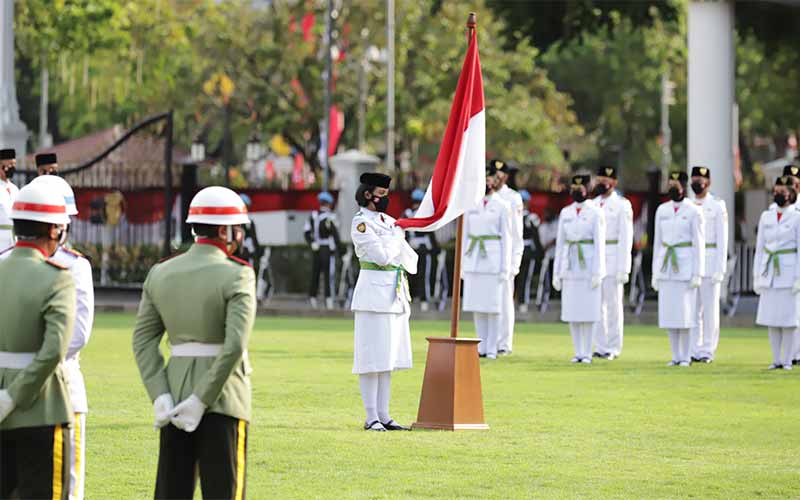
(13, 133)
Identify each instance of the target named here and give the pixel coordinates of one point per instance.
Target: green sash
(671, 257)
(612, 242)
(479, 241)
(711, 245)
(579, 244)
(400, 278)
(775, 259)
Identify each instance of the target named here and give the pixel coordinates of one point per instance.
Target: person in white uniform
(505, 341)
(776, 273)
(81, 271)
(678, 263)
(704, 337)
(381, 300)
(618, 215)
(8, 192)
(487, 264)
(580, 266)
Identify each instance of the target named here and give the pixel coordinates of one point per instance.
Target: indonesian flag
(458, 182)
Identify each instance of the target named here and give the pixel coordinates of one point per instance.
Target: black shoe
(598, 355)
(481, 355)
(391, 425)
(503, 352)
(695, 360)
(796, 361)
(707, 361)
(370, 426)
(611, 357)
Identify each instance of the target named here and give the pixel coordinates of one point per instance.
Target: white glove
(622, 278)
(695, 283)
(758, 290)
(654, 284)
(6, 404)
(596, 281)
(314, 246)
(718, 278)
(187, 415)
(162, 407)
(796, 287)
(557, 283)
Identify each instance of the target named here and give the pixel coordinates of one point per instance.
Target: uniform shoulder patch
(56, 265)
(239, 261)
(361, 227)
(168, 257)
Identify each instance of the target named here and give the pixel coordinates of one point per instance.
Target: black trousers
(323, 264)
(35, 462)
(523, 283)
(424, 282)
(216, 450)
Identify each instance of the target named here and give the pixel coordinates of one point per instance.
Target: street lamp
(198, 150)
(255, 150)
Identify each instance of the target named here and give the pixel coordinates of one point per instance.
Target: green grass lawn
(630, 428)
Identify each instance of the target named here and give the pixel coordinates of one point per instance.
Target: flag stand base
(451, 391)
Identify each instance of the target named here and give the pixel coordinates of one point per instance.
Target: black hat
(581, 180)
(376, 180)
(46, 159)
(8, 154)
(497, 165)
(792, 170)
(491, 169)
(783, 181)
(607, 171)
(701, 172)
(679, 176)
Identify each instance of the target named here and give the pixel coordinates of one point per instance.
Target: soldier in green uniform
(35, 409)
(205, 300)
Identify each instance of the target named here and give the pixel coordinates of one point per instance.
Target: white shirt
(715, 218)
(378, 240)
(8, 193)
(517, 244)
(81, 271)
(618, 215)
(580, 222)
(679, 223)
(492, 219)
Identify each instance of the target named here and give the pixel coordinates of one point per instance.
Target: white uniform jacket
(715, 218)
(679, 243)
(618, 215)
(81, 271)
(580, 243)
(514, 199)
(776, 263)
(488, 240)
(8, 192)
(378, 241)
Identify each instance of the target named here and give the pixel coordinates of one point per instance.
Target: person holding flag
(504, 172)
(381, 300)
(487, 264)
(580, 266)
(678, 263)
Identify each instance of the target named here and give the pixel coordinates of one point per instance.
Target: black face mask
(381, 203)
(10, 171)
(698, 187)
(675, 194)
(578, 196)
(780, 199)
(600, 189)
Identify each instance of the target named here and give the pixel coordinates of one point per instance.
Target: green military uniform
(202, 296)
(37, 325)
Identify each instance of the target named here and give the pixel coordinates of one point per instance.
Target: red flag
(335, 128)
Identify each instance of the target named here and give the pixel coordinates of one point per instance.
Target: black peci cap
(783, 180)
(701, 172)
(376, 180)
(792, 170)
(581, 180)
(679, 176)
(607, 171)
(46, 159)
(8, 154)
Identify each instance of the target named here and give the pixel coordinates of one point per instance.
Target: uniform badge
(609, 171)
(361, 228)
(676, 176)
(703, 171)
(795, 170)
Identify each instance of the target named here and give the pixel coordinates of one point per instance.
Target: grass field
(630, 428)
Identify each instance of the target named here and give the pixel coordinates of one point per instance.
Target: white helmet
(217, 206)
(40, 203)
(59, 184)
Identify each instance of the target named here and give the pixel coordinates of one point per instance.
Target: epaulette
(56, 265)
(239, 261)
(73, 252)
(168, 257)
(7, 250)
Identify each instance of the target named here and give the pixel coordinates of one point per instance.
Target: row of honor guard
(43, 403)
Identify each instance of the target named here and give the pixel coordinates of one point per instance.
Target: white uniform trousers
(782, 337)
(705, 336)
(679, 344)
(487, 327)
(505, 339)
(581, 333)
(77, 473)
(608, 331)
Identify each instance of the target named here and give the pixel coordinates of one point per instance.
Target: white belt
(16, 360)
(195, 350)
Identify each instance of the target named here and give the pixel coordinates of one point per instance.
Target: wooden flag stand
(451, 391)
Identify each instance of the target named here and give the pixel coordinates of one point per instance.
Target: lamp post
(198, 153)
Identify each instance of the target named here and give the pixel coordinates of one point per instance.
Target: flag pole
(455, 314)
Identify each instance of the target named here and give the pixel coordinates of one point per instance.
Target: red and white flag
(458, 182)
